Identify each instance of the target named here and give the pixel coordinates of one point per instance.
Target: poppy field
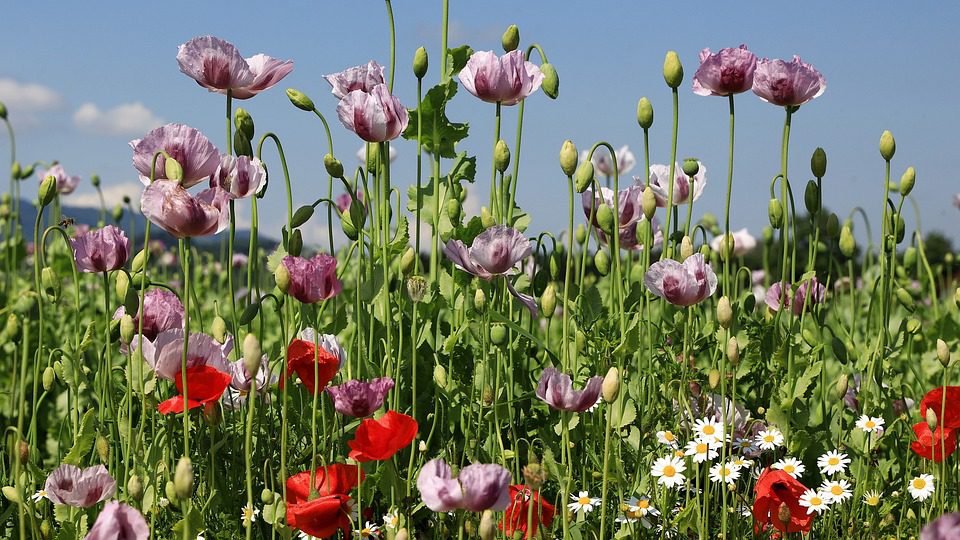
(646, 372)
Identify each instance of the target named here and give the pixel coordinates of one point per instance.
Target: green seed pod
(252, 354)
(644, 113)
(907, 181)
(486, 218)
(840, 389)
(266, 496)
(300, 100)
(127, 329)
(818, 163)
(407, 261)
(848, 244)
(241, 144)
(510, 39)
(103, 449)
(833, 225)
(775, 213)
(244, 122)
(453, 210)
(48, 378)
(943, 353)
(602, 261)
(282, 277)
(811, 197)
(888, 146)
(50, 283)
(568, 158)
(672, 70)
(420, 63)
(903, 296)
(551, 80)
(295, 243)
(605, 218)
(333, 166)
(724, 312)
(498, 334)
(135, 487)
(172, 169)
(548, 301)
(440, 376)
(690, 167)
(910, 258)
(686, 248)
(580, 234)
(610, 389)
(648, 201)
(48, 190)
(733, 351)
(183, 478)
(584, 176)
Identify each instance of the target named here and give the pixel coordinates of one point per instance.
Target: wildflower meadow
(647, 371)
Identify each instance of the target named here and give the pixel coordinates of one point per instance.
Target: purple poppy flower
(327, 342)
(164, 354)
(494, 252)
(119, 521)
(312, 280)
(65, 183)
(743, 243)
(172, 208)
(945, 527)
(628, 235)
(360, 398)
(628, 200)
(660, 184)
(507, 79)
(217, 66)
(81, 488)
(681, 284)
(239, 260)
(604, 165)
(375, 116)
(796, 300)
(556, 389)
(479, 487)
(344, 199)
(729, 71)
(241, 381)
(197, 156)
(163, 312)
(240, 176)
(102, 250)
(363, 78)
(788, 84)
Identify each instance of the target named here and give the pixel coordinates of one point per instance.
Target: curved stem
(667, 251)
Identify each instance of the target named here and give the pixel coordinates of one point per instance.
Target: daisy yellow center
(873, 500)
(583, 501)
(834, 461)
(768, 438)
(709, 430)
(669, 471)
(836, 490)
(366, 531)
(789, 468)
(815, 501)
(919, 483)
(701, 448)
(643, 504)
(870, 424)
(678, 453)
(668, 436)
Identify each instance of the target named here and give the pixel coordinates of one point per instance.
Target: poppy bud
(402, 534)
(479, 301)
(103, 448)
(501, 156)
(783, 513)
(903, 296)
(45, 529)
(907, 181)
(643, 228)
(888, 146)
(251, 354)
(295, 243)
(135, 487)
(183, 478)
(488, 526)
(420, 63)
(733, 351)
(602, 261)
(900, 226)
(11, 494)
(672, 70)
(611, 385)
(510, 39)
(48, 377)
(50, 283)
(648, 201)
(300, 100)
(811, 197)
(127, 329)
(568, 158)
(3, 111)
(243, 122)
(713, 378)
(775, 212)
(913, 325)
(498, 334)
(440, 376)
(840, 389)
(581, 341)
(584, 176)
(282, 276)
(580, 234)
(691, 167)
(551, 81)
(848, 245)
(15, 172)
(407, 261)
(486, 219)
(548, 301)
(349, 228)
(172, 169)
(943, 353)
(644, 113)
(27, 171)
(241, 144)
(833, 225)
(686, 248)
(605, 218)
(818, 163)
(910, 258)
(95, 180)
(48, 190)
(23, 452)
(724, 312)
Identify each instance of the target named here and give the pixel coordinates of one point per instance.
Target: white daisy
(200, 535)
(744, 445)
(39, 495)
(769, 439)
(871, 498)
(391, 520)
(921, 487)
(724, 472)
(741, 462)
(163, 502)
(669, 471)
(791, 466)
(354, 510)
(870, 424)
(248, 514)
(305, 536)
(368, 531)
(833, 462)
(813, 501)
(582, 502)
(701, 451)
(595, 405)
(667, 438)
(640, 507)
(709, 430)
(836, 490)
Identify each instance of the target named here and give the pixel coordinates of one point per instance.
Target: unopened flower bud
(95, 180)
(480, 301)
(218, 328)
(672, 70)
(910, 258)
(127, 328)
(453, 210)
(3, 111)
(15, 172)
(580, 234)
(510, 39)
(416, 288)
(498, 334)
(422, 447)
(252, 354)
(913, 325)
(584, 176)
(605, 218)
(686, 248)
(840, 389)
(333, 166)
(420, 63)
(12, 328)
(644, 113)
(551, 80)
(848, 244)
(643, 229)
(135, 487)
(811, 197)
(724, 312)
(486, 218)
(50, 283)
(534, 475)
(648, 201)
(243, 122)
(888, 146)
(440, 376)
(300, 100)
(407, 261)
(903, 296)
(611, 385)
(602, 262)
(833, 225)
(943, 352)
(48, 190)
(775, 213)
(690, 167)
(282, 276)
(172, 169)
(907, 181)
(548, 300)
(23, 452)
(488, 526)
(501, 156)
(733, 351)
(183, 478)
(568, 158)
(46, 530)
(402, 534)
(103, 449)
(818, 163)
(931, 417)
(11, 494)
(713, 378)
(27, 171)
(48, 378)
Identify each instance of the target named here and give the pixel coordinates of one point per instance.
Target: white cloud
(125, 119)
(112, 194)
(25, 101)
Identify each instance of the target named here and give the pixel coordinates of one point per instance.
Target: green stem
(667, 251)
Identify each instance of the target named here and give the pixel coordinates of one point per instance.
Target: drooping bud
(848, 244)
(733, 351)
(50, 283)
(27, 171)
(568, 158)
(95, 180)
(907, 181)
(775, 213)
(648, 201)
(610, 389)
(713, 378)
(453, 210)
(440, 375)
(402, 534)
(510, 39)
(282, 276)
(811, 197)
(333, 166)
(535, 475)
(183, 478)
(818, 163)
(135, 487)
(686, 248)
(643, 229)
(724, 312)
(605, 218)
(103, 449)
(241, 144)
(910, 258)
(584, 176)
(888, 146)
(672, 70)
(3, 111)
(551, 80)
(300, 100)
(691, 167)
(15, 172)
(420, 63)
(48, 190)
(117, 213)
(833, 225)
(480, 301)
(840, 389)
(486, 218)
(407, 261)
(580, 234)
(12, 328)
(295, 243)
(548, 301)
(347, 225)
(244, 122)
(943, 352)
(127, 329)
(602, 261)
(501, 156)
(727, 243)
(172, 169)
(11, 494)
(913, 325)
(252, 354)
(644, 113)
(48, 378)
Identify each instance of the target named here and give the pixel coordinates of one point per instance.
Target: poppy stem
(667, 251)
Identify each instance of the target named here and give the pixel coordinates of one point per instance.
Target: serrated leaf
(437, 133)
(192, 522)
(87, 340)
(803, 381)
(273, 260)
(457, 59)
(83, 442)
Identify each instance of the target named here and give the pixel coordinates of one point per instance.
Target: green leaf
(803, 382)
(437, 135)
(457, 59)
(273, 261)
(192, 522)
(83, 442)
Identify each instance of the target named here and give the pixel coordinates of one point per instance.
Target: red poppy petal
(321, 517)
(379, 440)
(336, 479)
(174, 405)
(204, 383)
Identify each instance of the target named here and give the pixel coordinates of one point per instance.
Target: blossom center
(670, 470)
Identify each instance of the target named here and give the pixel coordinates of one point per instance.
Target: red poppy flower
(322, 517)
(778, 493)
(933, 444)
(205, 384)
(379, 440)
(515, 518)
(304, 355)
(336, 479)
(935, 400)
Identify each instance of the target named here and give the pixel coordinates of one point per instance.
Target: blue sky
(887, 65)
